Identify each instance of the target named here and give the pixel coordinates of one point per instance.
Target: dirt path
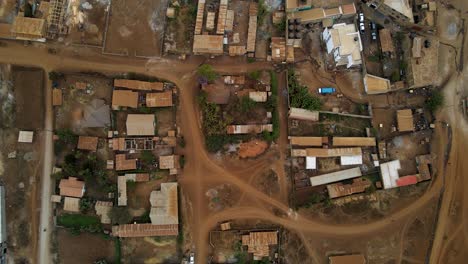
(200, 168)
(283, 138)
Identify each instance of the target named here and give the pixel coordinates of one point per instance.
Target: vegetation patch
(299, 95)
(80, 223)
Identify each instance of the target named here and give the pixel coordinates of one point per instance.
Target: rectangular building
(139, 85)
(344, 42)
(249, 129)
(124, 98)
(339, 189)
(354, 142)
(307, 141)
(208, 44)
(163, 99)
(303, 114)
(335, 176)
(405, 120)
(140, 125)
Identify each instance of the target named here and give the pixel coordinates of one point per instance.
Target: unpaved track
(200, 168)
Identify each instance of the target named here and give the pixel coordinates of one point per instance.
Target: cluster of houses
(140, 135)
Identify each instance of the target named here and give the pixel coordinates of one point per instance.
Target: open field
(136, 27)
(150, 250)
(84, 248)
(21, 175)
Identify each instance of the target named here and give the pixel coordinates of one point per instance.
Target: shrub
(147, 157)
(254, 75)
(86, 203)
(78, 223)
(246, 104)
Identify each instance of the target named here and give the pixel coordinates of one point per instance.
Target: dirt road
(201, 171)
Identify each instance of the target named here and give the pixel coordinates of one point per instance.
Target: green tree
(147, 157)
(435, 101)
(206, 71)
(86, 203)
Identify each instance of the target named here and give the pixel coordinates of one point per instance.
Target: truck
(326, 90)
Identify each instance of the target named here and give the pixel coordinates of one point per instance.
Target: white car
(361, 17)
(192, 258)
(362, 28)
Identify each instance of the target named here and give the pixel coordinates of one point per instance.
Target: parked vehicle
(362, 28)
(361, 17)
(373, 26)
(374, 35)
(326, 90)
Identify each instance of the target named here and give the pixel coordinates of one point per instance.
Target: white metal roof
(351, 160)
(26, 136)
(311, 163)
(335, 176)
(389, 171)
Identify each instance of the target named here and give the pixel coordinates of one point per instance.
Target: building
(354, 142)
(140, 125)
(308, 141)
(164, 205)
(340, 189)
(139, 85)
(237, 50)
(405, 120)
(389, 173)
(376, 85)
(122, 185)
(303, 114)
(122, 191)
(311, 163)
(96, 114)
(402, 6)
(103, 209)
(249, 129)
(163, 99)
(124, 98)
(417, 47)
(208, 44)
(28, 28)
(259, 97)
(171, 163)
(71, 204)
(386, 41)
(57, 97)
(347, 259)
(199, 18)
(25, 136)
(333, 152)
(305, 14)
(144, 230)
(72, 187)
(122, 163)
(258, 243)
(344, 42)
(278, 49)
(335, 176)
(296, 5)
(87, 143)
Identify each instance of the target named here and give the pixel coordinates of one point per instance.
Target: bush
(147, 157)
(435, 101)
(54, 76)
(206, 71)
(262, 12)
(118, 251)
(120, 215)
(86, 203)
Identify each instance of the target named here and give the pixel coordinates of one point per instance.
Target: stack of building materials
(229, 21)
(210, 18)
(249, 129)
(258, 243)
(252, 30)
(340, 189)
(222, 15)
